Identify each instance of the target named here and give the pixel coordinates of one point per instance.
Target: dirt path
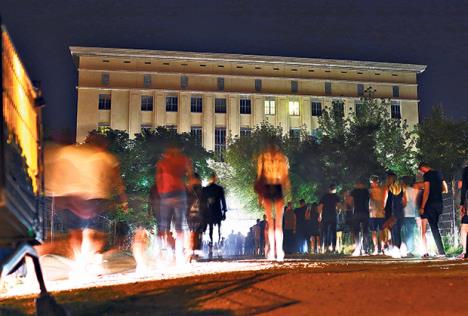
(345, 287)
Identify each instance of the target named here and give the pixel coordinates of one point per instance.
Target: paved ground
(306, 286)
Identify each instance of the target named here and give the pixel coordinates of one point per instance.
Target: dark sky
(434, 33)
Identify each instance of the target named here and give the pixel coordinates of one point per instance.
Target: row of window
(196, 106)
(184, 83)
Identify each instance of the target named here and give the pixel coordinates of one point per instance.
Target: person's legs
(464, 236)
(365, 234)
(333, 236)
(434, 223)
(356, 237)
(279, 230)
(424, 224)
(267, 204)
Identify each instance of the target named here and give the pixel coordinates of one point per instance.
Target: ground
(301, 286)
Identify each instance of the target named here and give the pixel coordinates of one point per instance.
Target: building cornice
(78, 51)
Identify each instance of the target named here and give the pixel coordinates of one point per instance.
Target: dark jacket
(214, 202)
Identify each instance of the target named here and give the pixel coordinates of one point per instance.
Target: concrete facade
(125, 75)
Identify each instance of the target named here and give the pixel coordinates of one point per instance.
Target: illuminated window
(294, 108)
(220, 84)
(147, 103)
(196, 132)
(196, 104)
(396, 110)
(294, 86)
(258, 85)
(184, 82)
(105, 78)
(245, 132)
(245, 106)
(316, 108)
(360, 90)
(328, 88)
(171, 104)
(104, 102)
(396, 91)
(270, 107)
(146, 81)
(220, 105)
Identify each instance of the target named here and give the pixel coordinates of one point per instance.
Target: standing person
(328, 206)
(410, 214)
(360, 201)
(464, 210)
(377, 214)
(262, 226)
(272, 182)
(397, 196)
(301, 227)
(172, 173)
(215, 202)
(314, 229)
(194, 214)
(431, 205)
(289, 226)
(256, 235)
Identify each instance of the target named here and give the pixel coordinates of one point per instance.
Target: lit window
(196, 132)
(360, 90)
(171, 104)
(245, 132)
(316, 108)
(220, 84)
(184, 82)
(245, 106)
(105, 78)
(396, 91)
(220, 105)
(104, 102)
(258, 85)
(396, 110)
(294, 86)
(328, 88)
(294, 108)
(196, 104)
(147, 103)
(270, 107)
(146, 81)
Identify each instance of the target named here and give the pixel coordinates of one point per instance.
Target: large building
(213, 96)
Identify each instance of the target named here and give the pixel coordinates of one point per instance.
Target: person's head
(374, 181)
(258, 220)
(407, 181)
(332, 188)
(424, 167)
(396, 187)
(264, 217)
(213, 178)
(359, 184)
(195, 180)
(391, 178)
(302, 202)
(289, 204)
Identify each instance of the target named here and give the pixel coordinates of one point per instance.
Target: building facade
(213, 96)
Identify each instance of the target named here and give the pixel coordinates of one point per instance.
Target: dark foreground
(361, 286)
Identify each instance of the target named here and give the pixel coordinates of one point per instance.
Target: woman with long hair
(396, 197)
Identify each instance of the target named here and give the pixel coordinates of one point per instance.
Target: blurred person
(256, 229)
(214, 201)
(172, 173)
(360, 201)
(396, 194)
(376, 214)
(327, 207)
(301, 226)
(464, 210)
(289, 228)
(263, 233)
(271, 184)
(314, 229)
(239, 244)
(86, 186)
(194, 214)
(432, 205)
(410, 214)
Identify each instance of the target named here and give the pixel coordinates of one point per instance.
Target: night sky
(434, 33)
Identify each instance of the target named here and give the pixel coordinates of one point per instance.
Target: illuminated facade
(213, 96)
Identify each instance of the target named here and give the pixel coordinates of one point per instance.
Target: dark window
(396, 110)
(316, 108)
(171, 104)
(104, 102)
(258, 85)
(146, 81)
(295, 133)
(146, 127)
(294, 86)
(360, 90)
(105, 78)
(245, 132)
(184, 82)
(338, 109)
(147, 103)
(220, 84)
(220, 105)
(359, 108)
(172, 128)
(245, 106)
(220, 140)
(103, 125)
(196, 132)
(328, 88)
(196, 104)
(396, 91)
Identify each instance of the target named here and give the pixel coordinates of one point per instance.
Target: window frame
(396, 91)
(146, 106)
(245, 132)
(328, 88)
(258, 85)
(217, 106)
(196, 104)
(395, 110)
(197, 133)
(220, 83)
(316, 112)
(105, 78)
(294, 86)
(184, 82)
(168, 105)
(220, 147)
(360, 90)
(245, 106)
(104, 102)
(291, 111)
(147, 80)
(269, 104)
